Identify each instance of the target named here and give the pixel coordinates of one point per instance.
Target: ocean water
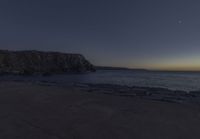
(187, 81)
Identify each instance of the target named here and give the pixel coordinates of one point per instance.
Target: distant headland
(38, 62)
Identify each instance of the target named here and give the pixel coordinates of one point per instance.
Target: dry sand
(30, 111)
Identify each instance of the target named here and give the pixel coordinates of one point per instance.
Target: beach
(99, 69)
(47, 111)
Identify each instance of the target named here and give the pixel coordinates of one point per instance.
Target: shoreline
(186, 82)
(151, 93)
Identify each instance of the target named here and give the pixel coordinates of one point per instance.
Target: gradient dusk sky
(152, 34)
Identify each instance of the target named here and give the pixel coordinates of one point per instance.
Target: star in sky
(180, 22)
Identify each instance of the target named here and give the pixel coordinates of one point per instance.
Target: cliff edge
(31, 62)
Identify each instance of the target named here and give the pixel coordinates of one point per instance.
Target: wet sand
(32, 111)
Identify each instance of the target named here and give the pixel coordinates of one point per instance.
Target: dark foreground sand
(29, 111)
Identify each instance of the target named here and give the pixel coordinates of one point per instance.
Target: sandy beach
(33, 111)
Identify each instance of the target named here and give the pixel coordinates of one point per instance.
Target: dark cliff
(31, 62)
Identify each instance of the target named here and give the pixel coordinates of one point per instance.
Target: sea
(186, 81)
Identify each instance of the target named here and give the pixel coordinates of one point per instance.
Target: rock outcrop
(31, 62)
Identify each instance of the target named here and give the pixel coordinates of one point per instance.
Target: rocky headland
(37, 62)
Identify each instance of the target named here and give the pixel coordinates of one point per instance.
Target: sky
(150, 34)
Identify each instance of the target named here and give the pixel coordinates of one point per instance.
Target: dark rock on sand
(31, 62)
